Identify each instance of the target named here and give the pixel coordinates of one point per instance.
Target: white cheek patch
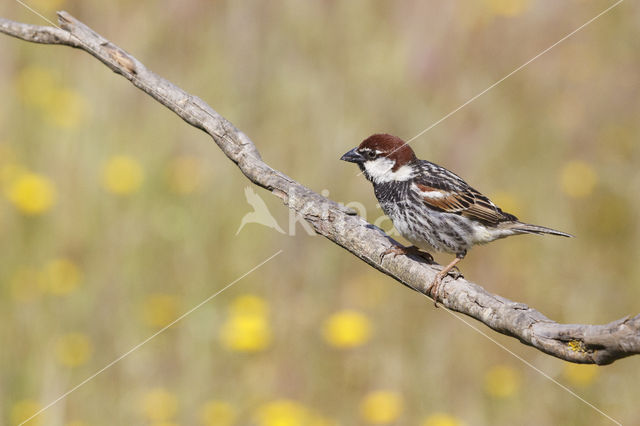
(403, 173)
(379, 170)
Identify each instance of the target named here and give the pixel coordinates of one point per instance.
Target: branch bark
(589, 344)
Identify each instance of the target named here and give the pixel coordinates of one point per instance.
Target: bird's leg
(413, 250)
(435, 285)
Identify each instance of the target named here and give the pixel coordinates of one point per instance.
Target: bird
(260, 213)
(430, 206)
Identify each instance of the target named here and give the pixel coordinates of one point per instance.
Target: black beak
(353, 156)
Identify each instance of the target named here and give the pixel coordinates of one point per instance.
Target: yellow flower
(217, 413)
(184, 174)
(73, 349)
(38, 88)
(502, 381)
(246, 333)
(24, 409)
(282, 412)
(66, 108)
(578, 179)
(581, 374)
(122, 175)
(159, 405)
(347, 329)
(26, 285)
(507, 7)
(249, 304)
(442, 419)
(160, 309)
(247, 327)
(381, 407)
(31, 193)
(61, 276)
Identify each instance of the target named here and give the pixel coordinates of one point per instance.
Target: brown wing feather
(469, 203)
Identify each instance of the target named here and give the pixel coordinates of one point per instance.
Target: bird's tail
(527, 228)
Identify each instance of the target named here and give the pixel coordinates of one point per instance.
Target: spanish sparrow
(430, 206)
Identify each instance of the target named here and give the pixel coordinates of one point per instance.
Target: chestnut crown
(382, 145)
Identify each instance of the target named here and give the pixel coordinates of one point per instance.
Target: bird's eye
(370, 155)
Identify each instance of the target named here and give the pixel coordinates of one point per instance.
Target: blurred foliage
(118, 218)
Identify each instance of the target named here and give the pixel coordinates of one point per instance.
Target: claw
(455, 273)
(395, 250)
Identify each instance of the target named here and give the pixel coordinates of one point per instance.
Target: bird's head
(383, 158)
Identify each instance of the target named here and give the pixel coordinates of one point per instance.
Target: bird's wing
(444, 191)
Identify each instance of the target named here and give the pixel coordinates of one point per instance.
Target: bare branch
(599, 344)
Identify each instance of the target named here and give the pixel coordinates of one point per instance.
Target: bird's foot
(393, 251)
(450, 270)
(411, 250)
(455, 273)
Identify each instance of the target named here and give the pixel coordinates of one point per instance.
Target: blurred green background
(117, 218)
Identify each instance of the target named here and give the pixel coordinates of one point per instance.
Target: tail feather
(527, 228)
